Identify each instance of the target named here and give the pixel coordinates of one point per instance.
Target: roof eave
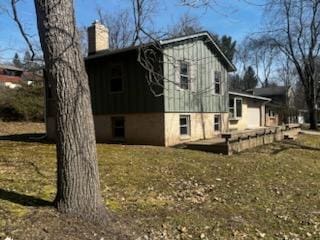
(231, 66)
(251, 96)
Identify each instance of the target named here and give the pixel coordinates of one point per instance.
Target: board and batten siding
(203, 64)
(136, 96)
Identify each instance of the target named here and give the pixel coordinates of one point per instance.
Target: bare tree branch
(21, 29)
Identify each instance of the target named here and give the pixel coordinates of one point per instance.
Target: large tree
(78, 188)
(186, 25)
(293, 26)
(16, 60)
(228, 46)
(250, 79)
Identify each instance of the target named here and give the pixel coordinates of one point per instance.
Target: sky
(236, 18)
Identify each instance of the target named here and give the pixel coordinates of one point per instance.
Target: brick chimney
(98, 38)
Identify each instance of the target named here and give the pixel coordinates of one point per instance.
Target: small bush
(23, 104)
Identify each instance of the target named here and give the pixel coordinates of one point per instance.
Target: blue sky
(236, 18)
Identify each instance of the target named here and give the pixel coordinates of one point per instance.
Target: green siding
(201, 98)
(136, 96)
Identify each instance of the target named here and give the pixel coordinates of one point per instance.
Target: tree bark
(313, 114)
(78, 187)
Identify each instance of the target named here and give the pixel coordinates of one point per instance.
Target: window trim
(217, 123)
(188, 75)
(113, 119)
(215, 73)
(116, 77)
(235, 116)
(187, 125)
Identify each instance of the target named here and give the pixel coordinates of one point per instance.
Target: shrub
(22, 104)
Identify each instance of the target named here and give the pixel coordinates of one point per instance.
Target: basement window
(217, 123)
(217, 82)
(116, 82)
(118, 128)
(235, 108)
(185, 125)
(184, 75)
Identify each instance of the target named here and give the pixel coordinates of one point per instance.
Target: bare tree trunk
(78, 188)
(313, 114)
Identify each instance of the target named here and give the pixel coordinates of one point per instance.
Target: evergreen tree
(235, 82)
(228, 46)
(29, 64)
(27, 60)
(250, 79)
(16, 61)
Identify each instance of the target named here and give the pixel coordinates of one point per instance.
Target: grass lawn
(271, 192)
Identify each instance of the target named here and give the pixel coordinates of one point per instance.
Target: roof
(207, 35)
(32, 76)
(110, 52)
(270, 91)
(11, 79)
(250, 96)
(10, 67)
(164, 42)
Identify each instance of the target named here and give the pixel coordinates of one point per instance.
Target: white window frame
(235, 116)
(188, 75)
(217, 81)
(187, 125)
(217, 123)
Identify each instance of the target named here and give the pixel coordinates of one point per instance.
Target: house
(247, 111)
(184, 97)
(281, 109)
(10, 76)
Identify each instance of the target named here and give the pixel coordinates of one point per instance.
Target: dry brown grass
(271, 192)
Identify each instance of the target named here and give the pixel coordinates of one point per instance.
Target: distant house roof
(270, 91)
(11, 79)
(230, 65)
(10, 67)
(250, 96)
(31, 76)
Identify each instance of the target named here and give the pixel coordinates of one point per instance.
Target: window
(217, 82)
(185, 125)
(235, 108)
(217, 123)
(271, 113)
(116, 83)
(184, 75)
(238, 108)
(118, 129)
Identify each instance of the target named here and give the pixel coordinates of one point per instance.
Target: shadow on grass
(29, 137)
(23, 200)
(286, 145)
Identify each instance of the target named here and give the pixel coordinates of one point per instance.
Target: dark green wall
(136, 97)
